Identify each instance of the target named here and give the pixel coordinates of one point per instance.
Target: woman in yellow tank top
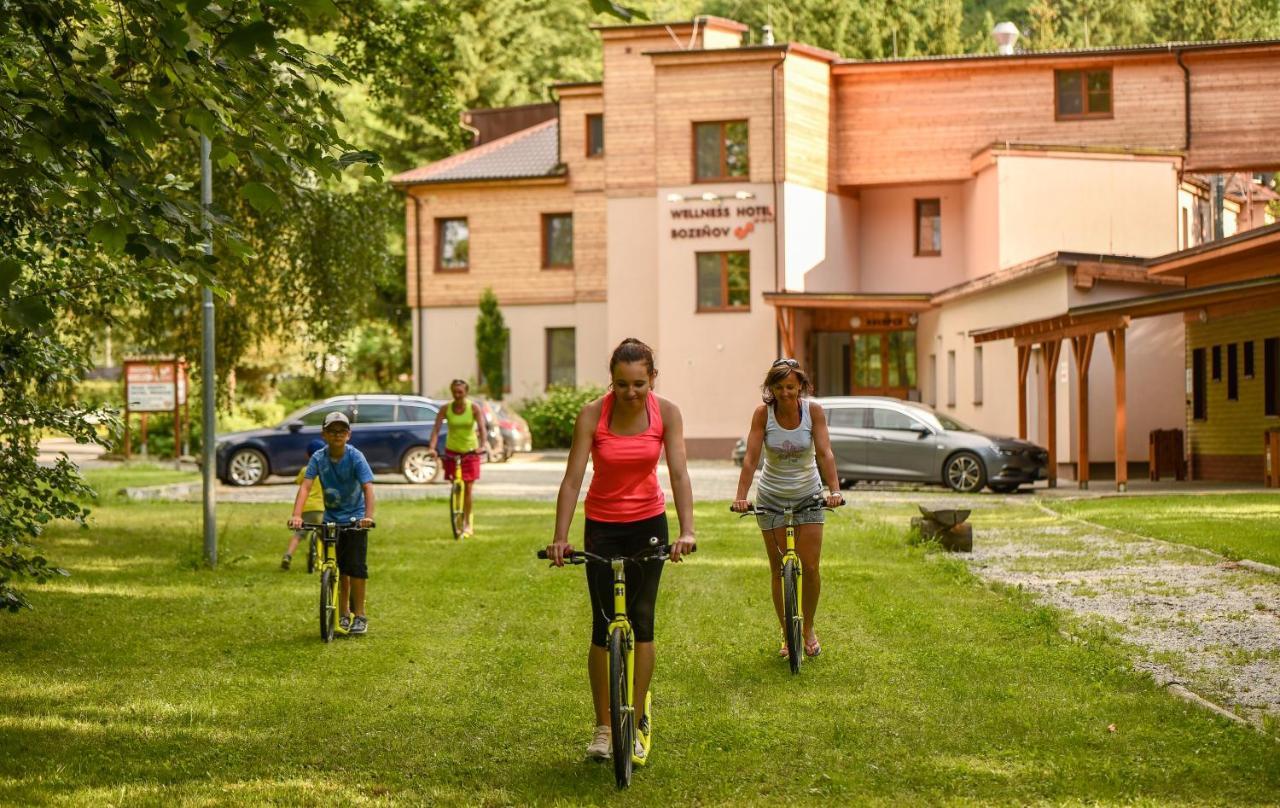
(466, 434)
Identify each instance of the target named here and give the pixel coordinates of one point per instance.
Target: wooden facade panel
(505, 246)
(1232, 428)
(589, 247)
(806, 114)
(586, 173)
(629, 113)
(918, 125)
(1235, 111)
(689, 93)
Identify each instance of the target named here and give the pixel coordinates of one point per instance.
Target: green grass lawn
(107, 483)
(143, 679)
(1236, 525)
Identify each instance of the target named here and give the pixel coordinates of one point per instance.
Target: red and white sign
(151, 387)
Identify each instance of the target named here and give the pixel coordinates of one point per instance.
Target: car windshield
(952, 425)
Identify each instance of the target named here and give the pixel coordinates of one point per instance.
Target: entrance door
(884, 363)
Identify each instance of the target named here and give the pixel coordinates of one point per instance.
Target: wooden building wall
(586, 173)
(505, 221)
(1228, 444)
(807, 121)
(711, 87)
(1235, 110)
(898, 123)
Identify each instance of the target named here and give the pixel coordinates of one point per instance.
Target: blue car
(392, 432)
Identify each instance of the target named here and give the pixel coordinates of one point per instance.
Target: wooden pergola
(1082, 325)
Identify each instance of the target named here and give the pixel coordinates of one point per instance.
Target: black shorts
(612, 539)
(353, 548)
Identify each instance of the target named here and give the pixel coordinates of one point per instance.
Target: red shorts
(470, 466)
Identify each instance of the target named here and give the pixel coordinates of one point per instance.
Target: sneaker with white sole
(644, 733)
(344, 625)
(360, 625)
(601, 746)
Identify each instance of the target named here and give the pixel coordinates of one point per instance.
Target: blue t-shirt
(343, 483)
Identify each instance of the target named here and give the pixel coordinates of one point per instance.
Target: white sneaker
(601, 746)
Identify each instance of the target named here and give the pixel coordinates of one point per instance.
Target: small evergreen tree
(491, 345)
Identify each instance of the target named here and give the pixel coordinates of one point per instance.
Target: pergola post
(1024, 365)
(1049, 352)
(1082, 349)
(1115, 338)
(787, 327)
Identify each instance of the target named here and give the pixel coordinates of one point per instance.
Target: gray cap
(336, 418)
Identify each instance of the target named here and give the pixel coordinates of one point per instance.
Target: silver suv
(888, 439)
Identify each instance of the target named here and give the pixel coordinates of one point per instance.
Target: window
(951, 378)
(374, 413)
(928, 227)
(595, 135)
(1217, 363)
(1082, 93)
(316, 416)
(724, 281)
(720, 151)
(901, 361)
(561, 357)
(932, 401)
(845, 417)
(1233, 383)
(415, 413)
(1199, 398)
(453, 245)
(1248, 360)
(977, 374)
(1271, 375)
(892, 419)
(557, 241)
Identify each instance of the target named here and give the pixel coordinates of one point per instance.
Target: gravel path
(1195, 618)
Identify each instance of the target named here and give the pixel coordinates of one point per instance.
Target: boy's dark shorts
(353, 548)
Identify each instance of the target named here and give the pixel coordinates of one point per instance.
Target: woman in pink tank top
(624, 433)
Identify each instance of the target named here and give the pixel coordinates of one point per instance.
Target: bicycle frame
(327, 535)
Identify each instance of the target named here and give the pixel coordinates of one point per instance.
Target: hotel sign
(738, 220)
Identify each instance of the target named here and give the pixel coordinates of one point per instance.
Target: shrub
(551, 416)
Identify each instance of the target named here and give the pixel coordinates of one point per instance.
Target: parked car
(516, 436)
(392, 431)
(888, 439)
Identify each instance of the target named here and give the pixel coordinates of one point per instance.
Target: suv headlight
(1006, 452)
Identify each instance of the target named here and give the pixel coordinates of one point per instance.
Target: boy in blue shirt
(347, 482)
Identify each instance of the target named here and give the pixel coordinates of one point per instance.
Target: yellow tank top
(462, 429)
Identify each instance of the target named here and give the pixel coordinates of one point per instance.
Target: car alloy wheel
(247, 467)
(964, 473)
(419, 466)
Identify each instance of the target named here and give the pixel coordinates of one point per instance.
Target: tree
(491, 345)
(100, 108)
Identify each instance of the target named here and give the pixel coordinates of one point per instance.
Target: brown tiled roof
(1114, 50)
(530, 153)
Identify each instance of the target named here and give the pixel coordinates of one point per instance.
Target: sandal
(812, 649)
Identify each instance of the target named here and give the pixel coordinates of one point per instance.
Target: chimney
(766, 35)
(1005, 34)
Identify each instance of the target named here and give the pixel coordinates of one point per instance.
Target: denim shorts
(769, 521)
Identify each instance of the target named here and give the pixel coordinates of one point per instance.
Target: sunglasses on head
(456, 382)
(791, 363)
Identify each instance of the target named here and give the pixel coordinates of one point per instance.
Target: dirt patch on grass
(1198, 619)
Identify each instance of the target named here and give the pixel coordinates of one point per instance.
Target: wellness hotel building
(929, 228)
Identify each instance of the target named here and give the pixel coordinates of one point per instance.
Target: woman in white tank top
(792, 435)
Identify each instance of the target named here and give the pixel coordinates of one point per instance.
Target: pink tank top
(624, 485)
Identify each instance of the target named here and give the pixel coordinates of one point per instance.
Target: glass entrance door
(884, 363)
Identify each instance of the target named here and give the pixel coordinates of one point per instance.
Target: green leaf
(615, 10)
(26, 313)
(316, 10)
(110, 235)
(260, 195)
(247, 38)
(10, 269)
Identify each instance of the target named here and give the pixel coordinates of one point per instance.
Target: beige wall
(632, 304)
(450, 345)
(819, 240)
(886, 239)
(981, 224)
(1085, 203)
(711, 363)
